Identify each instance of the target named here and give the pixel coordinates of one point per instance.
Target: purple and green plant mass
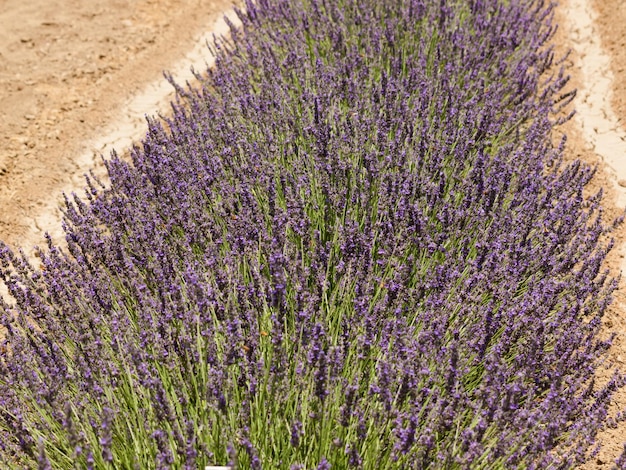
(356, 246)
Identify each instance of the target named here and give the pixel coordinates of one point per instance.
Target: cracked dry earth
(594, 31)
(77, 79)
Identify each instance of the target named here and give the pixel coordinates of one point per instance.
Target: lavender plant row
(355, 247)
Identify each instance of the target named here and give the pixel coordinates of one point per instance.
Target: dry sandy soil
(594, 31)
(77, 78)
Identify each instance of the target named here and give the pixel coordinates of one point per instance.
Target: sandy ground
(595, 33)
(77, 79)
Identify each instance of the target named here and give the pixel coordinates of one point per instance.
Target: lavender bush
(355, 247)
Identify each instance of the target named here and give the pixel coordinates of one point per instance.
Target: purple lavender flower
(356, 244)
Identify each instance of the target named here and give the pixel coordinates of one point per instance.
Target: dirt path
(76, 80)
(595, 30)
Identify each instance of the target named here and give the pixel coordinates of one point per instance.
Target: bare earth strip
(121, 133)
(597, 136)
(76, 79)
